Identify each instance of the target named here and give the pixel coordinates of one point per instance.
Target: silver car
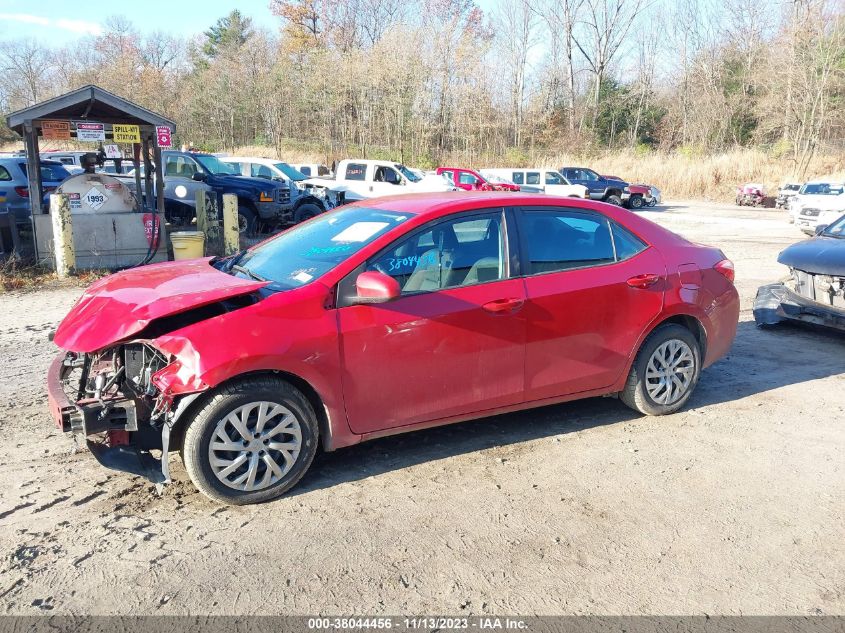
(14, 184)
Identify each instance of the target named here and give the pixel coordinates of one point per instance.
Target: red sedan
(381, 317)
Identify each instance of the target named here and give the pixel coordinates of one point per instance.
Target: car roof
(251, 159)
(443, 203)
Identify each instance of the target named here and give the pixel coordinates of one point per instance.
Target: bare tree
(606, 26)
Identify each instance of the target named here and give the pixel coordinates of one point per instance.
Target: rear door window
(532, 178)
(355, 171)
(559, 239)
(518, 178)
(4, 174)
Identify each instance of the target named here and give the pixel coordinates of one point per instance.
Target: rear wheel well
(612, 192)
(178, 433)
(693, 325)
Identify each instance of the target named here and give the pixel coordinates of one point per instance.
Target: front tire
(636, 202)
(306, 212)
(251, 442)
(665, 372)
(247, 221)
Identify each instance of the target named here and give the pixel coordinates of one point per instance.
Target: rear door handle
(498, 306)
(643, 281)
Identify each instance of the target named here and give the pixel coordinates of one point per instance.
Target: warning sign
(112, 151)
(95, 198)
(75, 201)
(55, 130)
(126, 133)
(92, 132)
(164, 137)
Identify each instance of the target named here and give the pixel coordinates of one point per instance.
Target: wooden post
(231, 236)
(208, 221)
(202, 217)
(33, 165)
(62, 234)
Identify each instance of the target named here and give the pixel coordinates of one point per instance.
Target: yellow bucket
(187, 244)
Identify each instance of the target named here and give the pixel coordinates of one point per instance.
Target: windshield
(308, 251)
(411, 176)
(836, 229)
(215, 166)
(290, 172)
(823, 189)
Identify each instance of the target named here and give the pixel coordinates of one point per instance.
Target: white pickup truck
(539, 180)
(364, 179)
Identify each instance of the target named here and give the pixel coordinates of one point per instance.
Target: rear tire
(251, 442)
(614, 200)
(665, 372)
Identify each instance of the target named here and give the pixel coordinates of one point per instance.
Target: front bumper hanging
(121, 417)
(776, 303)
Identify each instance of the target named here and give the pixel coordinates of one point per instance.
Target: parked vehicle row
(272, 192)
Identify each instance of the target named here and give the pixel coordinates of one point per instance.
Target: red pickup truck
(471, 180)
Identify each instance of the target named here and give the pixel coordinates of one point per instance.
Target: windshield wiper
(247, 271)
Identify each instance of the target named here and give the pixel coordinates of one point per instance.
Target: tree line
(444, 80)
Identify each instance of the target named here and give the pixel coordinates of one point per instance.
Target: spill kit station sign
(126, 133)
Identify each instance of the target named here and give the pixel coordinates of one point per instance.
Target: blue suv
(14, 184)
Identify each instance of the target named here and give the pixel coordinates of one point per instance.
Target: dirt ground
(734, 506)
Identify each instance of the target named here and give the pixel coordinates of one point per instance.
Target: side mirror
(198, 176)
(820, 228)
(376, 287)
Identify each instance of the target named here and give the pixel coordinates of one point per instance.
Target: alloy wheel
(670, 372)
(255, 446)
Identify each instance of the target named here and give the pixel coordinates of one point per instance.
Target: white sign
(95, 198)
(112, 151)
(91, 132)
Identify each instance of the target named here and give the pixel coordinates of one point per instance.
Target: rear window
(49, 173)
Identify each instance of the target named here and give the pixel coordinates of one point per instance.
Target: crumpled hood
(823, 255)
(120, 305)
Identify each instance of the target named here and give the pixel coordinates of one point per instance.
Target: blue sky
(58, 22)
(62, 21)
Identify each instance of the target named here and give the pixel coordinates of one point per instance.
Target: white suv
(818, 202)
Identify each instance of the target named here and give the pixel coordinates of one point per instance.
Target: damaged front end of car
(814, 291)
(813, 298)
(119, 400)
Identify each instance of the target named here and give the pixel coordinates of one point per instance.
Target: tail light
(726, 268)
(23, 192)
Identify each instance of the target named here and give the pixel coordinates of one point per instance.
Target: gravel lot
(733, 506)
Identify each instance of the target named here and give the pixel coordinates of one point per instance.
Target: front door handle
(643, 281)
(499, 306)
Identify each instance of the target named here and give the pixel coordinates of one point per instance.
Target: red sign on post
(151, 229)
(163, 136)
